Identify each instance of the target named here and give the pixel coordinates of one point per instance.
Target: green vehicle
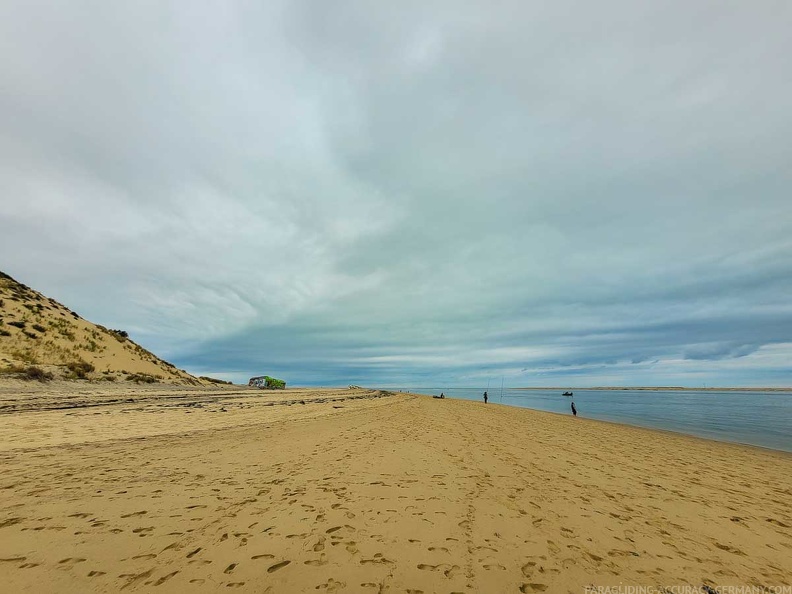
(266, 382)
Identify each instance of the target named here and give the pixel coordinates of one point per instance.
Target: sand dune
(364, 491)
(36, 330)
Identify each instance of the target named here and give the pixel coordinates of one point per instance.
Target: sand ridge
(381, 493)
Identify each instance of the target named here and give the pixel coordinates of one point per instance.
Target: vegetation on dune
(36, 373)
(142, 378)
(28, 373)
(79, 370)
(120, 335)
(215, 380)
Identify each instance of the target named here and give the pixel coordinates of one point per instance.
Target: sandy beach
(175, 489)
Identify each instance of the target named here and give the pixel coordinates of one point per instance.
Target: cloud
(402, 193)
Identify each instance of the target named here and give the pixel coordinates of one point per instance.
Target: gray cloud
(410, 193)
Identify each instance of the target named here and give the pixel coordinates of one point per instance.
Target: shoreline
(664, 389)
(611, 388)
(632, 412)
(376, 491)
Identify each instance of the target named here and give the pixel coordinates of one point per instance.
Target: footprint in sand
(71, 560)
(729, 549)
(277, 566)
(133, 578)
(528, 568)
(320, 545)
(165, 578)
(317, 562)
(378, 558)
(450, 572)
(527, 588)
(143, 531)
(133, 514)
(331, 585)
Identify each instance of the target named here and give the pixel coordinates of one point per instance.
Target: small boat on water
(567, 394)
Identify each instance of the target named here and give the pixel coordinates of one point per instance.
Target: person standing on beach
(485, 398)
(574, 410)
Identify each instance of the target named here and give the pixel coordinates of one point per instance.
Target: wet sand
(189, 490)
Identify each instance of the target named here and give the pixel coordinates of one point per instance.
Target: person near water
(442, 395)
(485, 398)
(574, 410)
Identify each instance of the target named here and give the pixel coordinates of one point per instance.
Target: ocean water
(757, 418)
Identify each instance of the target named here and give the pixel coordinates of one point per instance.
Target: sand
(365, 491)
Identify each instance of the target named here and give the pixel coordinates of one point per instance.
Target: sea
(750, 417)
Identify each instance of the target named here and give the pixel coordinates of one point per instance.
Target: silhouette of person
(485, 398)
(574, 410)
(442, 395)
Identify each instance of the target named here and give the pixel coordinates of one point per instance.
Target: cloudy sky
(410, 193)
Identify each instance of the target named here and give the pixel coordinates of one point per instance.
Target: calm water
(757, 418)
